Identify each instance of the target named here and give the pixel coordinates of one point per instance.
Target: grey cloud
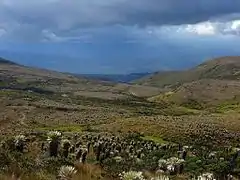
(48, 36)
(66, 14)
(66, 20)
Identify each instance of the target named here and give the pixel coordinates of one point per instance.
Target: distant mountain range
(121, 78)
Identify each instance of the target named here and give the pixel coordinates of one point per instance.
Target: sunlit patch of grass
(169, 93)
(180, 110)
(156, 98)
(228, 107)
(8, 92)
(188, 110)
(154, 139)
(161, 97)
(67, 128)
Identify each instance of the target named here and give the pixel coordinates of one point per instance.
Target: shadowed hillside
(121, 78)
(4, 61)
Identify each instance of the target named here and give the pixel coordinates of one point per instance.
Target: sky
(118, 36)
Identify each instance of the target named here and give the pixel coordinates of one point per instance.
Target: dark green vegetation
(121, 78)
(201, 111)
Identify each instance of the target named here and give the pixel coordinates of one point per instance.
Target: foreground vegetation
(56, 137)
(54, 155)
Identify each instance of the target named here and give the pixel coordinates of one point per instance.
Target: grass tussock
(88, 172)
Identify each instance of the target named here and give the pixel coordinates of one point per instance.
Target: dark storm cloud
(177, 12)
(66, 14)
(81, 20)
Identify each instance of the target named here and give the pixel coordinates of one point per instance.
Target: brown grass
(88, 172)
(224, 128)
(219, 68)
(205, 92)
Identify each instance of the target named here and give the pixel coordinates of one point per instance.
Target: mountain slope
(212, 83)
(202, 93)
(15, 76)
(4, 61)
(225, 68)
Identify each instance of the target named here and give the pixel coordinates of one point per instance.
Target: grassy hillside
(210, 84)
(225, 68)
(202, 93)
(13, 76)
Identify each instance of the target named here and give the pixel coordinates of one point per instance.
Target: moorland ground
(200, 111)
